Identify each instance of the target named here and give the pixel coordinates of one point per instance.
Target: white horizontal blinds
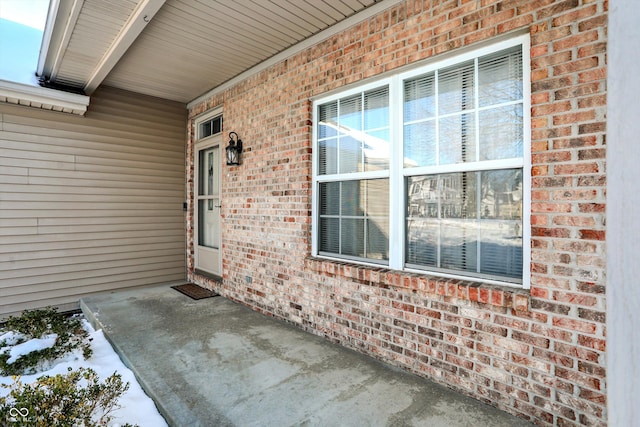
(419, 110)
(350, 136)
(328, 138)
(353, 138)
(466, 221)
(501, 105)
(500, 234)
(354, 133)
(354, 219)
(456, 123)
(376, 142)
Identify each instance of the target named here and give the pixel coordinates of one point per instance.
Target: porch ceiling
(176, 49)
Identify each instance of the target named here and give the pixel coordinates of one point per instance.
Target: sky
(21, 26)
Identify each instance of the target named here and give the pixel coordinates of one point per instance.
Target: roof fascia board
(52, 13)
(299, 47)
(141, 16)
(53, 99)
(61, 21)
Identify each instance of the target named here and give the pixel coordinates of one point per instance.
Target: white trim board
(44, 98)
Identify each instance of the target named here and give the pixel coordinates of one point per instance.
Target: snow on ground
(17, 351)
(136, 406)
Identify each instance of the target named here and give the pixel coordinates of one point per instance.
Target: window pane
(420, 144)
(210, 127)
(205, 129)
(353, 198)
(419, 98)
(377, 203)
(202, 172)
(350, 154)
(352, 235)
(458, 245)
(208, 164)
(422, 242)
(378, 238)
(329, 230)
(500, 77)
(350, 113)
(328, 120)
(458, 195)
(328, 157)
(501, 135)
(329, 198)
(501, 194)
(422, 193)
(376, 150)
(376, 108)
(501, 248)
(208, 223)
(457, 139)
(359, 225)
(377, 212)
(450, 229)
(456, 88)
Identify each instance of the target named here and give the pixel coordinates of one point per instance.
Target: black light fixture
(234, 149)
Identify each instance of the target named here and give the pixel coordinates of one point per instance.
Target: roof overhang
(61, 24)
(180, 49)
(43, 98)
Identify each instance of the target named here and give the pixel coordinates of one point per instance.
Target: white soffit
(370, 11)
(85, 39)
(187, 47)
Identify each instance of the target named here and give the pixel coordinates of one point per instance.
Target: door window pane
(208, 197)
(208, 223)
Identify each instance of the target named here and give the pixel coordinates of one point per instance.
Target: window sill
(492, 295)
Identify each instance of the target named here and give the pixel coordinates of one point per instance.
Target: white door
(208, 209)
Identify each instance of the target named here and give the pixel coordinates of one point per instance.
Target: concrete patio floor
(212, 362)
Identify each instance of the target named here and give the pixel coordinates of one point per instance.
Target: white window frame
(397, 173)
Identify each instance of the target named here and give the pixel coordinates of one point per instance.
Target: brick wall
(537, 353)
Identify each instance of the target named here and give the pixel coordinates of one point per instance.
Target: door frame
(203, 143)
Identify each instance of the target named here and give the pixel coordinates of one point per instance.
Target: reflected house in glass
(429, 193)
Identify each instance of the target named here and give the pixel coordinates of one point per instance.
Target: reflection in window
(467, 221)
(354, 133)
(354, 219)
(470, 128)
(456, 136)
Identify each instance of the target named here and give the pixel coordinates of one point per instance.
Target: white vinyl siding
(90, 204)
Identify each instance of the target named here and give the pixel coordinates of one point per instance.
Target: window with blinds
(353, 143)
(434, 157)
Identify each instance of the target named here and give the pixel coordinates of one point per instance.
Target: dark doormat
(194, 291)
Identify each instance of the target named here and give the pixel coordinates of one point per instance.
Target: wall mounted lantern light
(234, 149)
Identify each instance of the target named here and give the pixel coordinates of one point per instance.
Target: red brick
(496, 343)
(574, 325)
(591, 234)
